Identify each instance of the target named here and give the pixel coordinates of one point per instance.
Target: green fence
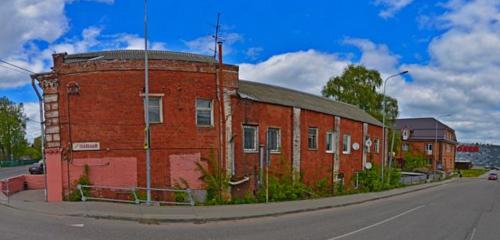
(16, 163)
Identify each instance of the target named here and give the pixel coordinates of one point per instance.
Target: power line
(18, 67)
(12, 69)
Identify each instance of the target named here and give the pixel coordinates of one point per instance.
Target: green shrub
(370, 180)
(182, 185)
(215, 179)
(474, 172)
(84, 179)
(247, 199)
(414, 161)
(323, 188)
(283, 189)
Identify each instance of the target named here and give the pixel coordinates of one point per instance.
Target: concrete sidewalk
(33, 201)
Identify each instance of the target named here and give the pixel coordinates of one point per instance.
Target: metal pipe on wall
(42, 134)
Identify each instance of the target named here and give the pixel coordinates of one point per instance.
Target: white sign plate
(86, 146)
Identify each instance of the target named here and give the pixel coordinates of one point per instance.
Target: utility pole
(146, 107)
(216, 35)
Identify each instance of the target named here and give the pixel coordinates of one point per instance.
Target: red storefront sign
(463, 148)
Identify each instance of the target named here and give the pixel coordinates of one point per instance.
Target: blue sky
(450, 47)
(273, 26)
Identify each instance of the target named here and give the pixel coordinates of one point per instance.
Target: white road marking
(377, 224)
(472, 234)
(79, 225)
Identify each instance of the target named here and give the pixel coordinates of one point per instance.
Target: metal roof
(136, 55)
(425, 128)
(283, 96)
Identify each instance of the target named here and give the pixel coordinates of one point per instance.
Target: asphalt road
(464, 209)
(13, 171)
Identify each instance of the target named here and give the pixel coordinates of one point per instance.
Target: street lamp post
(146, 107)
(383, 121)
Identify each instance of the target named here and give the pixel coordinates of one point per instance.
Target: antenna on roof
(216, 35)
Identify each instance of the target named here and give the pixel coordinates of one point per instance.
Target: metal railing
(85, 198)
(133, 192)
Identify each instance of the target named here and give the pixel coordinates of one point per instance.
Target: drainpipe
(220, 98)
(42, 128)
(333, 156)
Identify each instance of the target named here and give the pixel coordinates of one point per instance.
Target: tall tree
(358, 86)
(12, 129)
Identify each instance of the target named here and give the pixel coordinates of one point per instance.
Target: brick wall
(12, 185)
(315, 164)
(109, 109)
(264, 116)
(439, 151)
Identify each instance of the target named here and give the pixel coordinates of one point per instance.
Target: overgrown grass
(474, 172)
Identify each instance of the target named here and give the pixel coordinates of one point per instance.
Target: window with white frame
(405, 147)
(428, 148)
(155, 109)
(250, 138)
(376, 145)
(204, 112)
(312, 138)
(346, 144)
(330, 142)
(273, 139)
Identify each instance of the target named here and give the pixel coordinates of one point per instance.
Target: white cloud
(32, 112)
(391, 7)
(303, 70)
(24, 21)
(206, 44)
(253, 52)
(130, 41)
(39, 60)
(375, 56)
(461, 77)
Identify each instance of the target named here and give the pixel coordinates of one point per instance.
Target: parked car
(493, 176)
(37, 168)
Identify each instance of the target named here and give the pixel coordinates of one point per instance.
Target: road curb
(157, 220)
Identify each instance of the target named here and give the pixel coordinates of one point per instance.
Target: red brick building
(93, 106)
(431, 138)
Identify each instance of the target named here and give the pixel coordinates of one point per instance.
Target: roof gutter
(42, 129)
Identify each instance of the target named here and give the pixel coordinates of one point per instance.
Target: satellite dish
(368, 142)
(355, 146)
(405, 134)
(368, 165)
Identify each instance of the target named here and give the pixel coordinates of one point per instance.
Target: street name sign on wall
(86, 146)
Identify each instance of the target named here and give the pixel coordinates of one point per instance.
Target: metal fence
(134, 193)
(16, 163)
(413, 179)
